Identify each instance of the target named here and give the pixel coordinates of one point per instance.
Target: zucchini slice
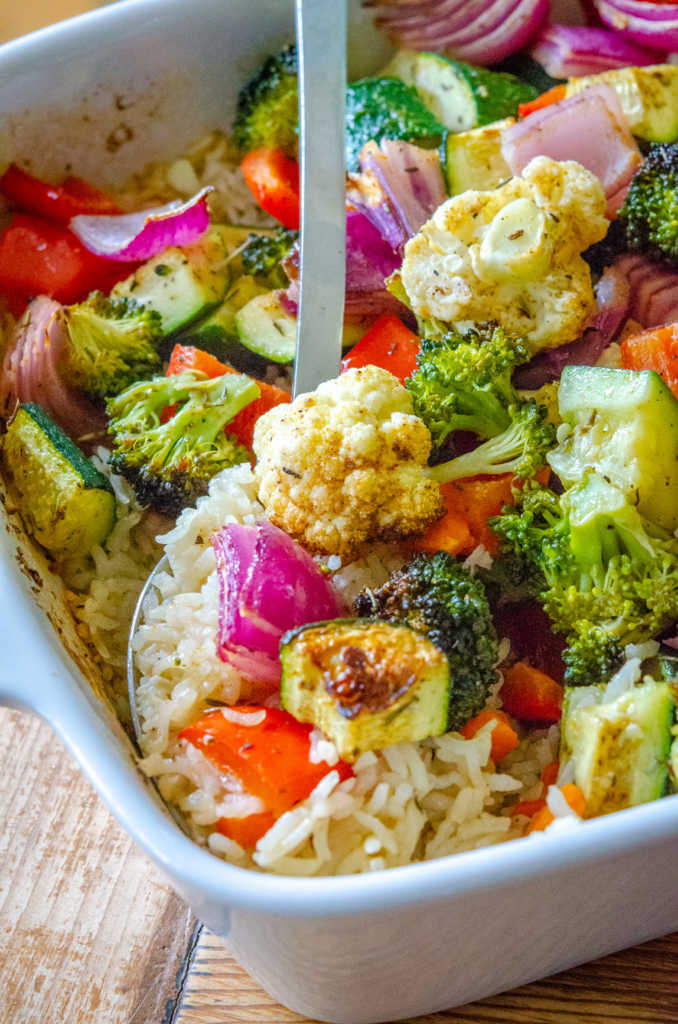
(474, 160)
(365, 684)
(460, 95)
(620, 748)
(267, 329)
(185, 284)
(66, 503)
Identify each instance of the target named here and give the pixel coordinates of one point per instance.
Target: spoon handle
(321, 49)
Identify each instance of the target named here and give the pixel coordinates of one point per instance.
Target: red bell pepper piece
(57, 202)
(241, 427)
(273, 180)
(388, 344)
(40, 257)
(270, 759)
(531, 695)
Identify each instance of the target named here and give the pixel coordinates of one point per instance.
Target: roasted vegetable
(386, 108)
(623, 425)
(618, 745)
(112, 343)
(463, 382)
(650, 210)
(170, 460)
(435, 596)
(67, 504)
(266, 112)
(604, 574)
(365, 684)
(263, 255)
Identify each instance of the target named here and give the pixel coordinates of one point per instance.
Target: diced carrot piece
(531, 695)
(504, 737)
(656, 349)
(246, 831)
(451, 533)
(528, 808)
(471, 501)
(545, 100)
(575, 798)
(549, 775)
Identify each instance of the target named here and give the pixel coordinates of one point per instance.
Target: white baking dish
(102, 94)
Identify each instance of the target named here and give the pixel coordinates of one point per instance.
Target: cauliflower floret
(512, 254)
(346, 463)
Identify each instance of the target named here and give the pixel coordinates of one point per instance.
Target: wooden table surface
(90, 933)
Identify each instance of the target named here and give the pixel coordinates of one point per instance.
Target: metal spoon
(321, 49)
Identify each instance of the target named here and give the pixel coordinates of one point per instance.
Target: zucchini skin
(67, 504)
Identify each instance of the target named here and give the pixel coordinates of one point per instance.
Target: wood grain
(90, 932)
(638, 986)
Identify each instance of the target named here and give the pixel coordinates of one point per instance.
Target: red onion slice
(475, 30)
(654, 290)
(30, 372)
(267, 585)
(570, 51)
(398, 188)
(654, 25)
(588, 127)
(138, 236)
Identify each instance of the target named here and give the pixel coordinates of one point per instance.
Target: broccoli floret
(650, 210)
(263, 255)
(170, 463)
(112, 343)
(386, 108)
(608, 577)
(463, 382)
(266, 112)
(521, 449)
(437, 597)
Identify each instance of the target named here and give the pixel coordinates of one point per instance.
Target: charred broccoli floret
(437, 597)
(170, 460)
(263, 255)
(266, 112)
(112, 343)
(463, 382)
(608, 577)
(650, 210)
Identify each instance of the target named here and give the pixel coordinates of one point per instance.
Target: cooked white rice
(411, 801)
(211, 161)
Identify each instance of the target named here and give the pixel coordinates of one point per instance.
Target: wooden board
(90, 933)
(638, 986)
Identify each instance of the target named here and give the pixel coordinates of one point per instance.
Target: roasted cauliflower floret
(512, 254)
(347, 463)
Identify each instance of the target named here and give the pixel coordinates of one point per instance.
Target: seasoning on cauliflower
(512, 254)
(346, 464)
